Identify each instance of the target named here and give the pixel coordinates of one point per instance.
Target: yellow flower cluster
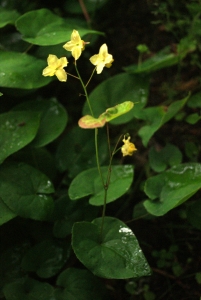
(128, 148)
(76, 45)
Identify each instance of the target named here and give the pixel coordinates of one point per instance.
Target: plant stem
(85, 90)
(90, 77)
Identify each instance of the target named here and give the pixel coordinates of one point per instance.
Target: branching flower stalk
(103, 59)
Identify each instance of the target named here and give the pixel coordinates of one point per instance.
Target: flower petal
(61, 75)
(48, 71)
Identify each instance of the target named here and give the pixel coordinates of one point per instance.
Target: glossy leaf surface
(17, 129)
(25, 191)
(116, 254)
(52, 122)
(20, 70)
(172, 187)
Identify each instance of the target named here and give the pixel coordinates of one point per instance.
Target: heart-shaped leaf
(89, 183)
(53, 119)
(77, 284)
(28, 289)
(172, 187)
(25, 191)
(46, 258)
(48, 28)
(17, 129)
(20, 70)
(7, 17)
(116, 90)
(113, 254)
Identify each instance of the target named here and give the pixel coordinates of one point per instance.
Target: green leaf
(194, 214)
(28, 289)
(48, 28)
(156, 117)
(79, 284)
(110, 114)
(162, 59)
(193, 118)
(17, 129)
(46, 258)
(7, 17)
(116, 254)
(67, 212)
(20, 70)
(172, 188)
(25, 191)
(159, 160)
(89, 183)
(76, 153)
(117, 89)
(53, 119)
(5, 213)
(194, 101)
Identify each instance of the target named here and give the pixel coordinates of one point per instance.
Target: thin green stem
(72, 75)
(90, 77)
(85, 90)
(106, 185)
(97, 157)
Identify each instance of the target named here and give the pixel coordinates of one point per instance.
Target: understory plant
(72, 136)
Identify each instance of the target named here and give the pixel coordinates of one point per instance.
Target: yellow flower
(102, 59)
(128, 148)
(75, 45)
(55, 67)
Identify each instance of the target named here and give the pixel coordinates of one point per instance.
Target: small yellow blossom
(75, 45)
(102, 59)
(55, 67)
(128, 148)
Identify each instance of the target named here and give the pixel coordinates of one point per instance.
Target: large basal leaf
(117, 89)
(20, 70)
(88, 183)
(25, 190)
(7, 16)
(114, 254)
(53, 119)
(28, 289)
(5, 213)
(46, 258)
(17, 129)
(156, 117)
(47, 28)
(77, 284)
(172, 187)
